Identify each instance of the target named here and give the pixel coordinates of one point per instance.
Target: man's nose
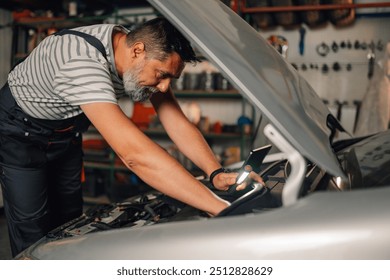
(163, 85)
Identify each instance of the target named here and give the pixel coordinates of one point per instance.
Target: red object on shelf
(94, 144)
(217, 127)
(18, 14)
(142, 114)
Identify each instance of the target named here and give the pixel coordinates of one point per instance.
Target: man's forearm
(183, 133)
(192, 144)
(177, 182)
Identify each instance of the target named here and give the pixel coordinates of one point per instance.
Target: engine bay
(153, 207)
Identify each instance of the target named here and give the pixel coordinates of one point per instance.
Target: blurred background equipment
(279, 43)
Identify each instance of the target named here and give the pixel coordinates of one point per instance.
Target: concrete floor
(5, 250)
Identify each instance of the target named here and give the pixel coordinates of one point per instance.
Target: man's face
(137, 92)
(150, 76)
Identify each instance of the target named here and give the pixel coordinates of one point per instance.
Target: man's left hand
(224, 181)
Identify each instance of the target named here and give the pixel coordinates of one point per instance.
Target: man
(70, 80)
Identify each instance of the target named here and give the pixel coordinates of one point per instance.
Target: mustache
(150, 89)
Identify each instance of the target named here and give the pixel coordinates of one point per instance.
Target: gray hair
(161, 39)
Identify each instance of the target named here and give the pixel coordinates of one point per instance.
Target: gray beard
(136, 92)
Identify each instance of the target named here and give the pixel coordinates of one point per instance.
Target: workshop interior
(340, 47)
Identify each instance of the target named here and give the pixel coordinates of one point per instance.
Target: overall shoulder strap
(89, 38)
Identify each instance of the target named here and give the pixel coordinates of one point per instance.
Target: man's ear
(138, 49)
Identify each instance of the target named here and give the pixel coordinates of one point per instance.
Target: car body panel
(332, 225)
(259, 72)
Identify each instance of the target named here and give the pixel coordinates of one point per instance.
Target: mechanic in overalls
(75, 77)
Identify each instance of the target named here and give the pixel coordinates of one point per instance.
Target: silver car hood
(259, 73)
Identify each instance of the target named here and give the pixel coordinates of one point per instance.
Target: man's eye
(163, 75)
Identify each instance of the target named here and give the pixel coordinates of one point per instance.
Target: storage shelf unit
(242, 8)
(21, 27)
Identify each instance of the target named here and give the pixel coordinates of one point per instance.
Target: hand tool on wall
(334, 47)
(379, 46)
(322, 49)
(357, 45)
(336, 67)
(340, 105)
(371, 61)
(280, 43)
(358, 105)
(302, 32)
(325, 68)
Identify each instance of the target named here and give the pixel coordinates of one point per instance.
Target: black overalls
(40, 167)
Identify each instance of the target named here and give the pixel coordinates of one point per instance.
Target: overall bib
(40, 167)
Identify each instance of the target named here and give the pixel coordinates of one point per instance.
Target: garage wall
(343, 85)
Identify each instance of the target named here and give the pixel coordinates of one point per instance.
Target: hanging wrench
(371, 61)
(302, 32)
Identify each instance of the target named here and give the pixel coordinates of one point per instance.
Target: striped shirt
(64, 72)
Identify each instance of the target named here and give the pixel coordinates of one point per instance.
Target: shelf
(245, 9)
(58, 22)
(105, 166)
(209, 135)
(225, 94)
(70, 22)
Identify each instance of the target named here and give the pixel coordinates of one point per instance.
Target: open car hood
(259, 73)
